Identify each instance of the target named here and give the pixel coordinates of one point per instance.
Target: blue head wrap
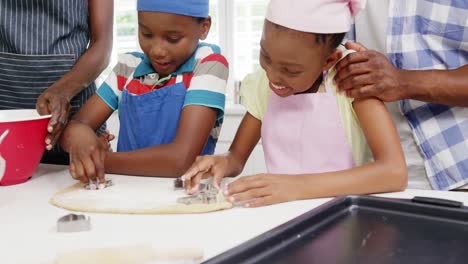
(193, 8)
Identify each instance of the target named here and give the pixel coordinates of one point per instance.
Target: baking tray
(363, 229)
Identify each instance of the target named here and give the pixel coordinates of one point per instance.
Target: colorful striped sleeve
(208, 84)
(111, 89)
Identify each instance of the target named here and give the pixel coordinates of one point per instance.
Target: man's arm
(368, 73)
(449, 87)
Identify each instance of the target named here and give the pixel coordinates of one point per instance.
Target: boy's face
(168, 40)
(293, 60)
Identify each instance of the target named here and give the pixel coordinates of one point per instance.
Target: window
(236, 28)
(248, 25)
(125, 35)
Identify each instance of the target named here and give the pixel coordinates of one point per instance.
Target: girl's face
(293, 60)
(168, 40)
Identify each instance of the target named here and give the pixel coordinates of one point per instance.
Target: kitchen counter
(28, 222)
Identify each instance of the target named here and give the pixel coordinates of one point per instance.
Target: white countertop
(28, 222)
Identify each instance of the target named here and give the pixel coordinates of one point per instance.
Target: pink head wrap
(315, 16)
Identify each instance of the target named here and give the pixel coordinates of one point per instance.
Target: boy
(170, 98)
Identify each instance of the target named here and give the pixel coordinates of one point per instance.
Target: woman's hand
(53, 102)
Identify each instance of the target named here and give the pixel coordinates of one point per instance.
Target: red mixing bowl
(22, 143)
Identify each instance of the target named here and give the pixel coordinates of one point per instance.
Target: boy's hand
(264, 189)
(205, 167)
(105, 138)
(87, 156)
(53, 102)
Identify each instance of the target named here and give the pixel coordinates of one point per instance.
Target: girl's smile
(280, 90)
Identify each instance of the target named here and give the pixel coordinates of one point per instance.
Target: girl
(314, 139)
(170, 98)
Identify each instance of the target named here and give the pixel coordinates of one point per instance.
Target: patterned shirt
(433, 34)
(204, 74)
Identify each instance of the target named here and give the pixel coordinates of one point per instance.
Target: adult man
(424, 77)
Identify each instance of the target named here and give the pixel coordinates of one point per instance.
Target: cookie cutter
(73, 223)
(93, 185)
(207, 194)
(179, 184)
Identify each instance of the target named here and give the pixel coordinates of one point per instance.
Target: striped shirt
(204, 74)
(41, 41)
(45, 27)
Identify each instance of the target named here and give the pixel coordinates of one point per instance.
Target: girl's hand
(53, 102)
(264, 189)
(87, 155)
(205, 167)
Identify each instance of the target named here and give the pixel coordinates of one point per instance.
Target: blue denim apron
(151, 119)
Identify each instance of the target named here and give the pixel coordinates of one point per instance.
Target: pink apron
(303, 133)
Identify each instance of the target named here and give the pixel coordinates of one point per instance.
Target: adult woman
(51, 52)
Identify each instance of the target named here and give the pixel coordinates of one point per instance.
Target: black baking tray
(363, 229)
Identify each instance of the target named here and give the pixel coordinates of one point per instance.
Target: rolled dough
(131, 195)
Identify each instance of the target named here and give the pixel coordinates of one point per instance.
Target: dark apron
(40, 41)
(152, 118)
